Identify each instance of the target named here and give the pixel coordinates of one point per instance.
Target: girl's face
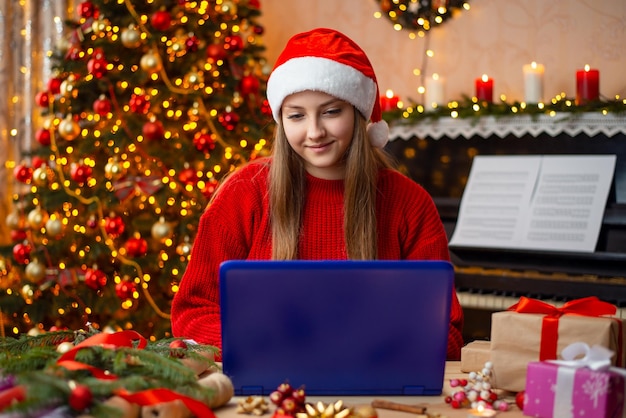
(319, 128)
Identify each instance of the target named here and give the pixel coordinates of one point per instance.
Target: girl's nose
(315, 129)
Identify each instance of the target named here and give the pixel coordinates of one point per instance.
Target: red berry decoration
(80, 173)
(139, 103)
(188, 176)
(95, 279)
(136, 247)
(161, 20)
(80, 398)
(114, 225)
(210, 188)
(87, 10)
(102, 105)
(192, 43)
(178, 348)
(233, 43)
(23, 173)
(204, 142)
(21, 252)
(97, 67)
(125, 289)
(229, 120)
(42, 99)
(43, 137)
(289, 401)
(153, 130)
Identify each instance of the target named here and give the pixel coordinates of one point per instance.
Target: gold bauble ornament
(150, 62)
(229, 7)
(67, 86)
(40, 176)
(161, 230)
(131, 37)
(54, 226)
(15, 221)
(35, 271)
(184, 249)
(37, 218)
(113, 170)
(98, 26)
(64, 347)
(69, 128)
(194, 79)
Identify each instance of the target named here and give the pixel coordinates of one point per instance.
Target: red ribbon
(146, 185)
(589, 306)
(131, 339)
(157, 396)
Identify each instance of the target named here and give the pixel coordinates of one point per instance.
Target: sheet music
(535, 202)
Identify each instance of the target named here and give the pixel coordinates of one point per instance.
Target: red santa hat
(328, 61)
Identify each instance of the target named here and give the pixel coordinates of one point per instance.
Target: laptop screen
(336, 327)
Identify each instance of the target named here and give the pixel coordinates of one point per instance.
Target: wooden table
(434, 404)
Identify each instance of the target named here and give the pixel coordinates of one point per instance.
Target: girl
(327, 192)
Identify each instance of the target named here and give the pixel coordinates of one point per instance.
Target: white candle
(533, 82)
(434, 92)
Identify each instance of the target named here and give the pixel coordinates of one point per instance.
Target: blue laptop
(336, 327)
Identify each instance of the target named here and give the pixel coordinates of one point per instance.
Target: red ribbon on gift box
(589, 306)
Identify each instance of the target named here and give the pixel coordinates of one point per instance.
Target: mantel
(571, 124)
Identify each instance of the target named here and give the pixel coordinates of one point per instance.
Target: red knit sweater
(237, 226)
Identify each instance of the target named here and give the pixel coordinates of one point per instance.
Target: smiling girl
(328, 192)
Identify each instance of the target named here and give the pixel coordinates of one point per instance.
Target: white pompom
(378, 133)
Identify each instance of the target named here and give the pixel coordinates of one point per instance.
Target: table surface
(435, 405)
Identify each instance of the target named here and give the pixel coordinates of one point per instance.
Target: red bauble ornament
(233, 43)
(23, 173)
(80, 397)
(216, 52)
(21, 252)
(95, 279)
(153, 130)
(18, 235)
(161, 20)
(258, 29)
(97, 67)
(80, 173)
(43, 137)
(42, 99)
(37, 162)
(114, 225)
(188, 176)
(136, 247)
(249, 84)
(54, 85)
(102, 105)
(519, 399)
(229, 120)
(265, 108)
(125, 289)
(254, 3)
(139, 103)
(203, 142)
(87, 10)
(192, 43)
(178, 348)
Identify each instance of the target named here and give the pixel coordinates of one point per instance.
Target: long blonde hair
(287, 183)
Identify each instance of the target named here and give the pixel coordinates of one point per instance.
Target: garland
(420, 14)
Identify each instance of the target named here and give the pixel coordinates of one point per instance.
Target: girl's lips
(319, 147)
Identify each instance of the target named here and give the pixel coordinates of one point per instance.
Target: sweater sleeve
(224, 233)
(426, 240)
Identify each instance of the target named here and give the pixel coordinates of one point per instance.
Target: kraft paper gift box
(518, 337)
(565, 389)
(474, 355)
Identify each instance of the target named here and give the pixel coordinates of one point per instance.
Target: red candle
(389, 101)
(587, 85)
(484, 89)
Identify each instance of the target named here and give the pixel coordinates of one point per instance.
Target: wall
(496, 37)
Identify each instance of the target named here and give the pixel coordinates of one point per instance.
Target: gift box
(474, 355)
(566, 389)
(536, 331)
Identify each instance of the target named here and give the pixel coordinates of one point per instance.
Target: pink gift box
(556, 391)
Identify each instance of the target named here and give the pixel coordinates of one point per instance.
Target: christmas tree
(150, 105)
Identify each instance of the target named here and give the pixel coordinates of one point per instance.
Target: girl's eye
(333, 111)
(292, 116)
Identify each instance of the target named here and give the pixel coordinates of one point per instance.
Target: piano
(438, 154)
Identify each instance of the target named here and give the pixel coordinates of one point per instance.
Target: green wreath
(420, 14)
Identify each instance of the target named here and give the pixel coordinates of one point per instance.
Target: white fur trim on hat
(325, 75)
(378, 133)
